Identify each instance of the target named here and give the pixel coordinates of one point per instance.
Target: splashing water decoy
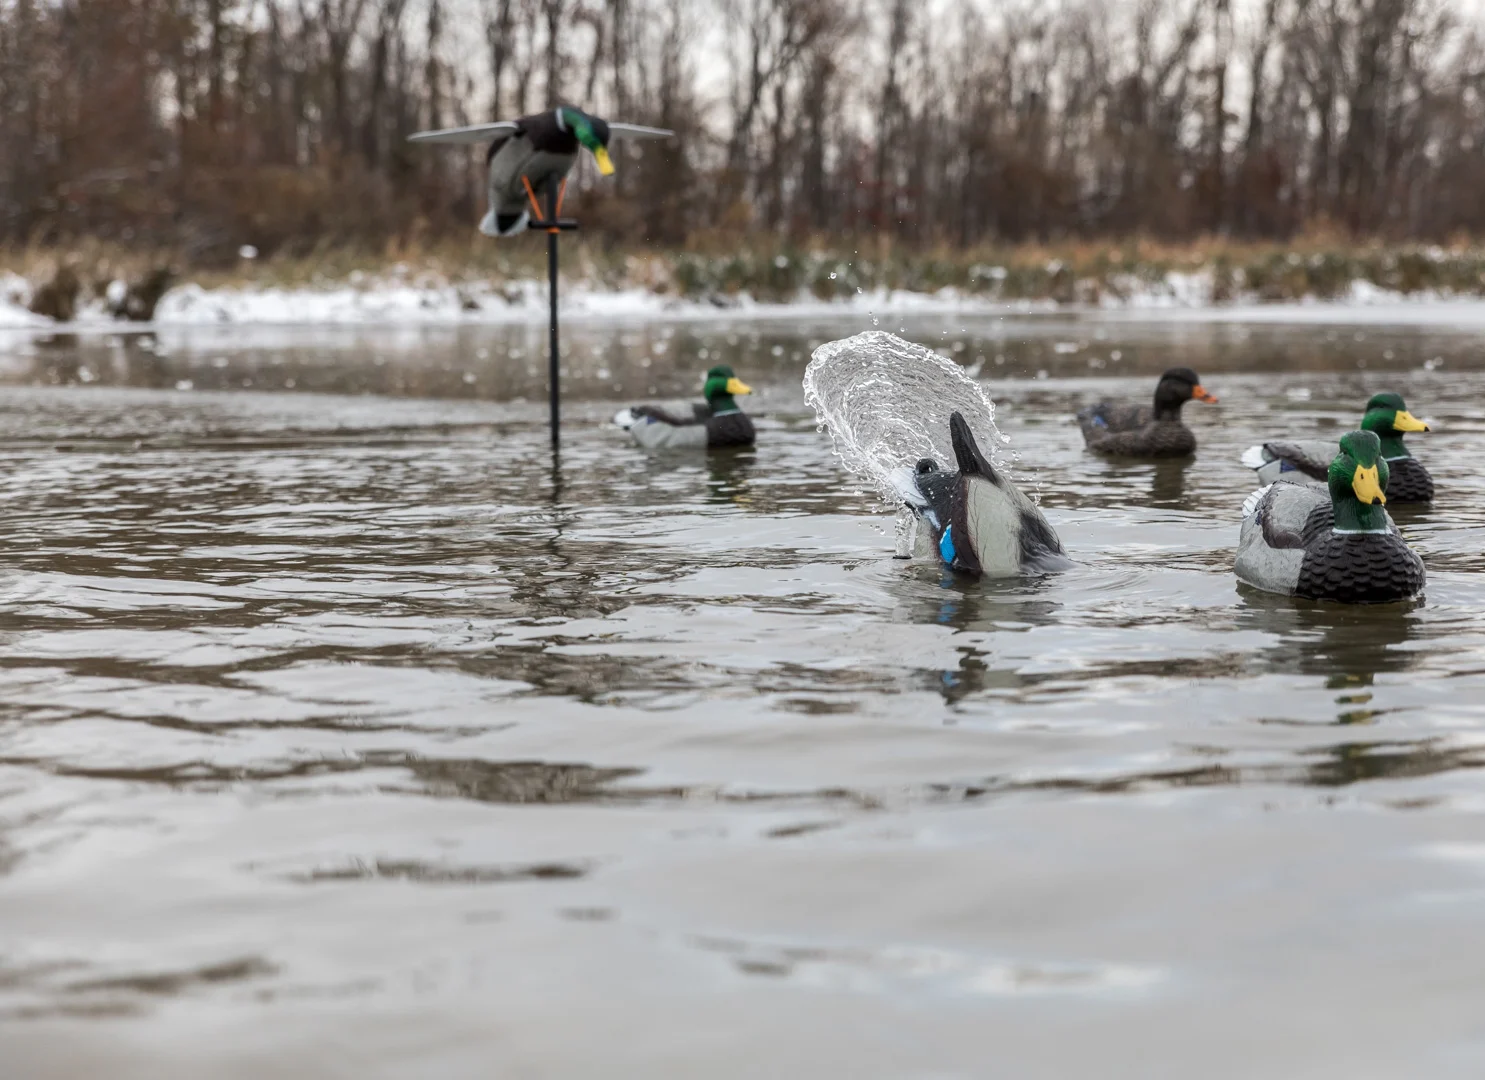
(974, 519)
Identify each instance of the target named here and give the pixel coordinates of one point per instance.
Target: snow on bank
(399, 303)
(518, 302)
(15, 297)
(396, 301)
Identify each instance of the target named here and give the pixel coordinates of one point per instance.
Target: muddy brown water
(344, 733)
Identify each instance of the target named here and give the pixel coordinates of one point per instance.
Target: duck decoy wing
(1091, 427)
(1110, 417)
(657, 435)
(1309, 457)
(1150, 441)
(1271, 551)
(474, 133)
(1283, 510)
(637, 131)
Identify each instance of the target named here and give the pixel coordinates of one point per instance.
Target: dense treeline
(205, 124)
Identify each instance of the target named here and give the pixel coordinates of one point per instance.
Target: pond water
(344, 732)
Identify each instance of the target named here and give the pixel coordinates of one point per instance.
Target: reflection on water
(727, 472)
(358, 704)
(1168, 485)
(1345, 644)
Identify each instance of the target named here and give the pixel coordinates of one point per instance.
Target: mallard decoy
(1388, 417)
(529, 154)
(1302, 540)
(719, 421)
(974, 520)
(1142, 430)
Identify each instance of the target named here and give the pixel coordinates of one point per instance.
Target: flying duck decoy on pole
(528, 162)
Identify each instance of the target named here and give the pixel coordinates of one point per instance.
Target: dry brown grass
(1320, 263)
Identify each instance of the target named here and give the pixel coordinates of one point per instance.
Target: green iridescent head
(592, 133)
(1358, 483)
(720, 385)
(1388, 416)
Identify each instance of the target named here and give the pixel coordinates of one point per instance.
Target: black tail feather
(967, 452)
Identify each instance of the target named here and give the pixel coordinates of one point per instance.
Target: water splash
(886, 403)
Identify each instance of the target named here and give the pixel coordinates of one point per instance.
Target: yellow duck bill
(1365, 483)
(1406, 421)
(737, 386)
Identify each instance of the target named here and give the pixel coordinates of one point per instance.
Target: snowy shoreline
(395, 302)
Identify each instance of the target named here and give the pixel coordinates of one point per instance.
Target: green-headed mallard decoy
(720, 421)
(974, 520)
(1386, 415)
(1144, 430)
(1337, 544)
(528, 154)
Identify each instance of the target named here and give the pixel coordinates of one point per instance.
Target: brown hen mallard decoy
(1146, 431)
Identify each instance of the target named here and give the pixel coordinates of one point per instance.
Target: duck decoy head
(722, 382)
(1359, 471)
(592, 133)
(1387, 415)
(1178, 386)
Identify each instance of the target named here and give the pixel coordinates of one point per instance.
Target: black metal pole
(554, 390)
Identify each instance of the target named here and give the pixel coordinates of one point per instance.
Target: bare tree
(283, 122)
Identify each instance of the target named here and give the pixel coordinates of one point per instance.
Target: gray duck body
(658, 429)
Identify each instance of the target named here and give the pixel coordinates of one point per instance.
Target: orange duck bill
(1203, 395)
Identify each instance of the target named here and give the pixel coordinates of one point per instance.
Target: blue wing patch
(1284, 466)
(1099, 421)
(946, 547)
